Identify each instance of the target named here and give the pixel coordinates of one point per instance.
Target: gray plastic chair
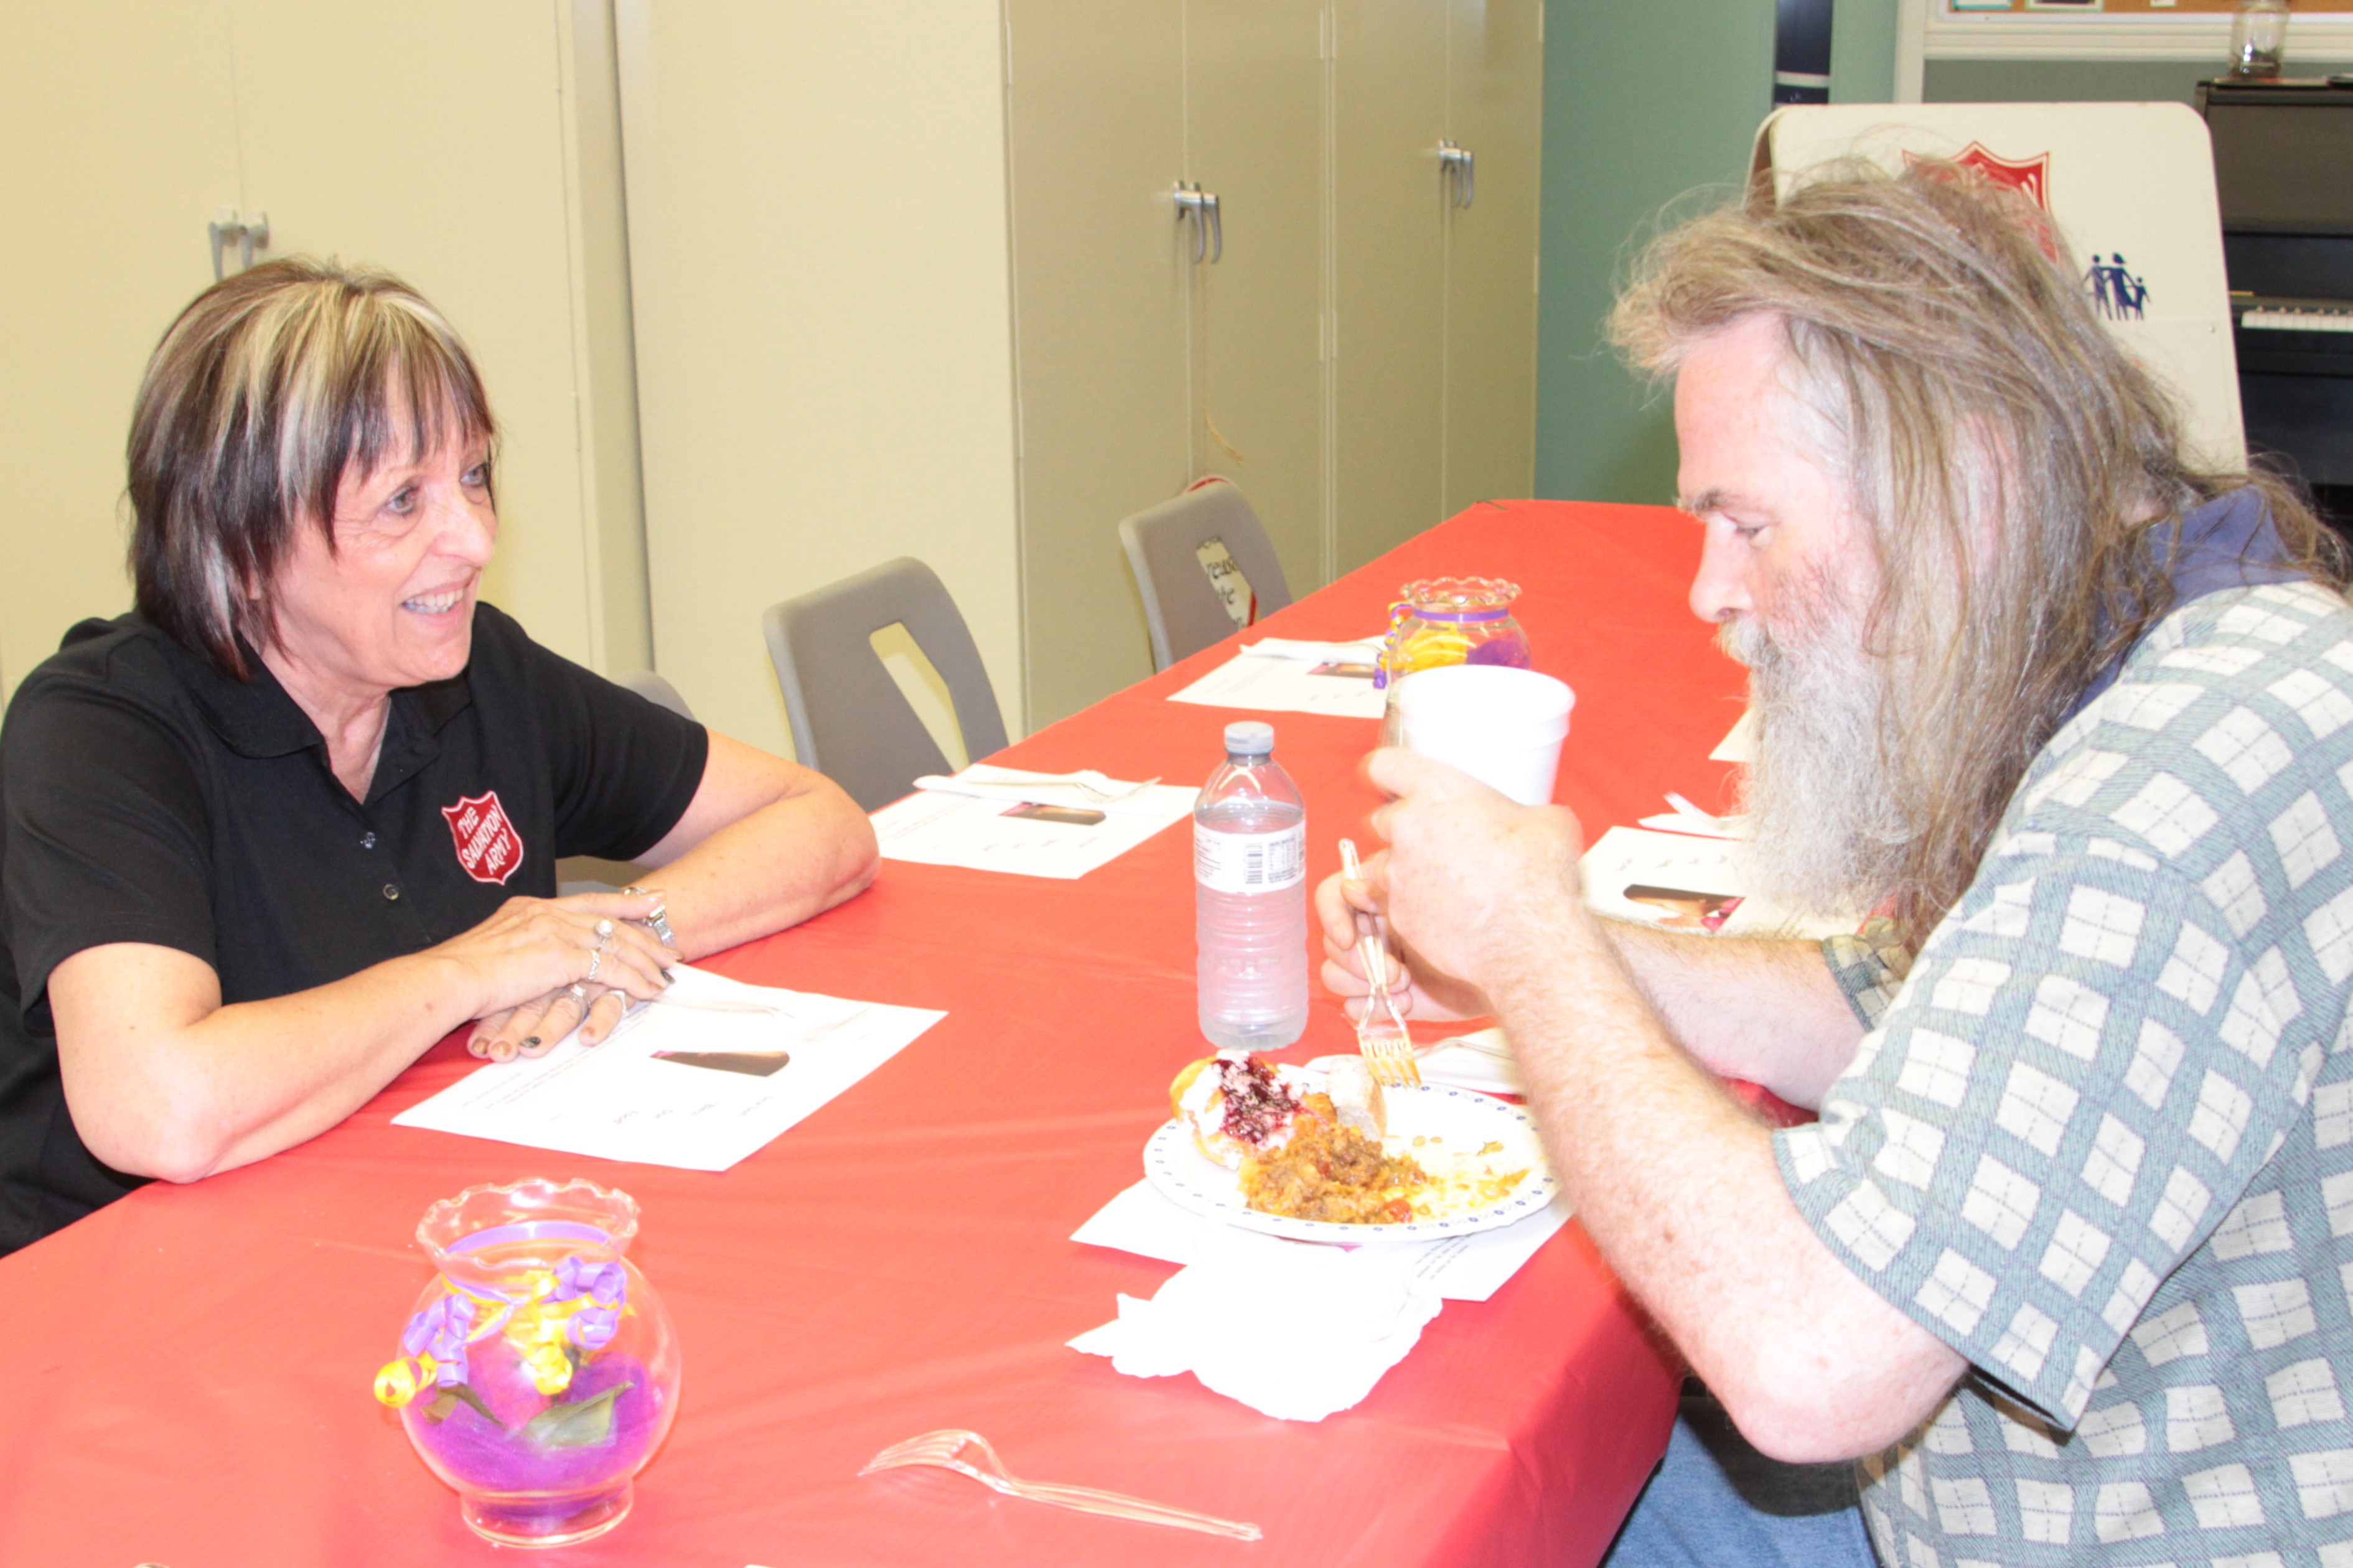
(655, 690)
(583, 873)
(1182, 611)
(849, 720)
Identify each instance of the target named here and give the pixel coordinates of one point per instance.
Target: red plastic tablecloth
(186, 1373)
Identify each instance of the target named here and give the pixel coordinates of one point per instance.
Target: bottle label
(1250, 862)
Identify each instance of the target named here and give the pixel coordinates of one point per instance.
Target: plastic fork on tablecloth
(1381, 1036)
(940, 1448)
(1091, 784)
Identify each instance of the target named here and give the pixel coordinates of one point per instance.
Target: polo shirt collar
(257, 719)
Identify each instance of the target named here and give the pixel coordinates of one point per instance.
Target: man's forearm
(1679, 1189)
(1763, 1009)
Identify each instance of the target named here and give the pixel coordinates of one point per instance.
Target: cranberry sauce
(1258, 1107)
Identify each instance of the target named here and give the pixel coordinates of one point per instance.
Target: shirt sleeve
(107, 836)
(1869, 967)
(2076, 1086)
(625, 769)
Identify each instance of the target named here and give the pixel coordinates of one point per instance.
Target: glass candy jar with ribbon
(1447, 620)
(538, 1372)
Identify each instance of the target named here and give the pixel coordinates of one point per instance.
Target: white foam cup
(1502, 726)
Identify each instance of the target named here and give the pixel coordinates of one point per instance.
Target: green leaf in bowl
(584, 1425)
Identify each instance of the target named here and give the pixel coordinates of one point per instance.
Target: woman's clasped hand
(577, 963)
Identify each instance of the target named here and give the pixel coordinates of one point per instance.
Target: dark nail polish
(530, 1041)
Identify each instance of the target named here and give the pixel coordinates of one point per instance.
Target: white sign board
(2130, 189)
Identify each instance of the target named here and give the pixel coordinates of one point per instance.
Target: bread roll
(1356, 1097)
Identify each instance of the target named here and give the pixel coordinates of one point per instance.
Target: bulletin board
(2106, 7)
(2113, 9)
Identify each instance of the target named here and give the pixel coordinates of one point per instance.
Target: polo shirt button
(367, 840)
(392, 890)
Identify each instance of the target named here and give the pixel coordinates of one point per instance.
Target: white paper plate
(1465, 1120)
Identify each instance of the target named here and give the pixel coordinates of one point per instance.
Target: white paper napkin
(984, 782)
(1364, 652)
(1294, 1330)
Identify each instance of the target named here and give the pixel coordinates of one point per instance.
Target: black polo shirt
(146, 797)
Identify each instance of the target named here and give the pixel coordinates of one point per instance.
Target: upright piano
(2284, 171)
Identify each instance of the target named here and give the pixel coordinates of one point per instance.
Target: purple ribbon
(607, 1284)
(441, 1330)
(1462, 617)
(593, 1328)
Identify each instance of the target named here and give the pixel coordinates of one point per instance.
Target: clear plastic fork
(1088, 782)
(1381, 1035)
(940, 1448)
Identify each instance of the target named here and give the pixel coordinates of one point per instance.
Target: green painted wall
(1862, 51)
(1644, 100)
(1647, 102)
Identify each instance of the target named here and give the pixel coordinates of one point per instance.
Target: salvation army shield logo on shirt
(488, 846)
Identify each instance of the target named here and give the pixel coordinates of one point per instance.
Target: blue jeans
(1716, 1502)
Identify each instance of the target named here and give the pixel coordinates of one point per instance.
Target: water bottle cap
(1249, 738)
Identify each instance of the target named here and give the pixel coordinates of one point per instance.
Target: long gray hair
(2008, 458)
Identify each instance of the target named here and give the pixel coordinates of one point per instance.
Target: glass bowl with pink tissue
(538, 1372)
(1443, 621)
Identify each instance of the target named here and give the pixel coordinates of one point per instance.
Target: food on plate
(1237, 1104)
(1310, 1145)
(1328, 1170)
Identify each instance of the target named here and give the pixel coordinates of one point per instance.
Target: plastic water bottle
(1250, 875)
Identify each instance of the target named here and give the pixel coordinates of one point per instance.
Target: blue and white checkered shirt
(2100, 1138)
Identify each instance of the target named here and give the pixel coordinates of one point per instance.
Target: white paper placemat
(1276, 683)
(936, 828)
(1687, 883)
(698, 1081)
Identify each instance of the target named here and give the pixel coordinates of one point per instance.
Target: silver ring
(579, 996)
(604, 934)
(595, 962)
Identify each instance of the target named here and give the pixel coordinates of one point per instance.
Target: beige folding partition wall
(1094, 142)
(1434, 287)
(945, 282)
(469, 148)
(898, 277)
(818, 255)
(1494, 106)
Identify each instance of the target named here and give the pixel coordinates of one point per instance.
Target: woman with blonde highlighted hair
(296, 817)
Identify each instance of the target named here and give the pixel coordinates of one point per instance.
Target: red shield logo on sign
(2031, 178)
(488, 846)
(2031, 175)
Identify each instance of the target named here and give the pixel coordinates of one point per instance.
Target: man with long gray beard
(2073, 717)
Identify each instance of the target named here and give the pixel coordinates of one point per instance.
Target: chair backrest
(655, 689)
(584, 874)
(1181, 606)
(849, 720)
